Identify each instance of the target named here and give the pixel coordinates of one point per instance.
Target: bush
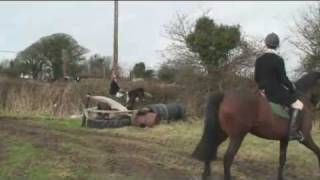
(167, 73)
(66, 98)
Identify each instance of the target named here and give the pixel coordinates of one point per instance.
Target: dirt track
(84, 154)
(99, 153)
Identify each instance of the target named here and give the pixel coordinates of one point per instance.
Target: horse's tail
(212, 135)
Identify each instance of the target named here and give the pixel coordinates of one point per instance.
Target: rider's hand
(263, 93)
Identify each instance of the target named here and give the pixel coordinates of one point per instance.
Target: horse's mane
(307, 81)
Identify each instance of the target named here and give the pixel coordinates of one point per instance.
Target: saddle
(277, 109)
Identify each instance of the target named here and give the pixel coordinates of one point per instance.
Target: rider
(114, 87)
(270, 76)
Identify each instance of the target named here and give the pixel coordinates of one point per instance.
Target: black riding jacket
(270, 75)
(114, 88)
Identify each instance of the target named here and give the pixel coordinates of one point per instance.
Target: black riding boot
(294, 134)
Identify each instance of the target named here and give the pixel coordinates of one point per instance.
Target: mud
(116, 154)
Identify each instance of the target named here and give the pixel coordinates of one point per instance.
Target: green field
(52, 149)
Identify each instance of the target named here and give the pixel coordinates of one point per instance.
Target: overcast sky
(141, 24)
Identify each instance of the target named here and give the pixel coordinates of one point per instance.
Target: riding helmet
(272, 40)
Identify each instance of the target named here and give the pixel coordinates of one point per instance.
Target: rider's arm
(283, 75)
(258, 83)
(256, 75)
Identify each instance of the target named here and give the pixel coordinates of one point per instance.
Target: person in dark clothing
(271, 78)
(114, 87)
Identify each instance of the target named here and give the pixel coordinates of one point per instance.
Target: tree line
(202, 46)
(54, 57)
(58, 56)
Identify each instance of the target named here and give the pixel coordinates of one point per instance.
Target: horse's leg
(219, 140)
(283, 157)
(207, 170)
(232, 150)
(130, 103)
(310, 144)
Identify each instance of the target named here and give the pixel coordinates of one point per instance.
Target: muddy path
(103, 155)
(100, 153)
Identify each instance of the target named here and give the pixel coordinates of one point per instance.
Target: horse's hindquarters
(246, 112)
(238, 112)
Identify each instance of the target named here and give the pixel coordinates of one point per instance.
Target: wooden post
(104, 68)
(115, 67)
(64, 62)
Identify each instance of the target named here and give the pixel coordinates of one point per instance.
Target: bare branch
(307, 40)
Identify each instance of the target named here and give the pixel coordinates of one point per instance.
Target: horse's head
(309, 86)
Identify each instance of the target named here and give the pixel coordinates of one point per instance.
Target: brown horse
(235, 113)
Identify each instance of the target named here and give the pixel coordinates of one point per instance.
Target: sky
(141, 24)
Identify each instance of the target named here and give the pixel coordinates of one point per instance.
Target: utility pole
(64, 62)
(115, 67)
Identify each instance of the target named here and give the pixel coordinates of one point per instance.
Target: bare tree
(307, 38)
(240, 60)
(177, 31)
(98, 66)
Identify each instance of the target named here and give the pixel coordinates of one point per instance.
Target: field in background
(52, 149)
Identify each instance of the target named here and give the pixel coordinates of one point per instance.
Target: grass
(24, 161)
(50, 148)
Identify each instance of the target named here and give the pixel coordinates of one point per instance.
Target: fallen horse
(109, 113)
(151, 115)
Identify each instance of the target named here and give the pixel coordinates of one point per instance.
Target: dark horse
(235, 113)
(134, 95)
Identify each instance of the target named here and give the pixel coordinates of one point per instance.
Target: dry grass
(66, 98)
(31, 97)
(61, 149)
